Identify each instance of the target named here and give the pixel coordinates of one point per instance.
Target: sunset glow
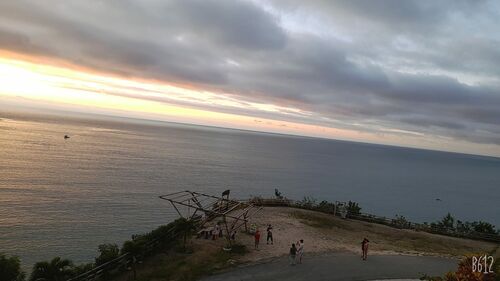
(23, 80)
(45, 83)
(331, 70)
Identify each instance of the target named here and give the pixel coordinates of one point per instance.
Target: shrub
(10, 269)
(107, 252)
(353, 208)
(463, 227)
(325, 206)
(81, 268)
(464, 272)
(186, 228)
(401, 221)
(56, 270)
(134, 247)
(485, 227)
(308, 202)
(447, 222)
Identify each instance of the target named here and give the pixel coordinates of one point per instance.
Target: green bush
(107, 252)
(56, 270)
(448, 222)
(485, 227)
(464, 227)
(186, 228)
(325, 206)
(10, 269)
(401, 221)
(353, 208)
(134, 247)
(81, 268)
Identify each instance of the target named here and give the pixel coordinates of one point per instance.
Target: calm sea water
(64, 197)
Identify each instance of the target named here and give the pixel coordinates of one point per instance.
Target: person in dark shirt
(220, 231)
(293, 253)
(269, 234)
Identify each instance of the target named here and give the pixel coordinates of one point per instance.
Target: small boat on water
(66, 137)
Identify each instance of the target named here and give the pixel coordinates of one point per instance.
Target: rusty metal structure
(206, 208)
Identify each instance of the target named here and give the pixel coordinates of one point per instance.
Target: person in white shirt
(300, 250)
(215, 232)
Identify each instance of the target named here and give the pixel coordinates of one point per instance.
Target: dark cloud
(422, 66)
(233, 23)
(19, 42)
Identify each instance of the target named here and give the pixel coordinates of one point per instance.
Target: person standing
(220, 230)
(364, 248)
(215, 231)
(269, 234)
(293, 253)
(300, 250)
(257, 239)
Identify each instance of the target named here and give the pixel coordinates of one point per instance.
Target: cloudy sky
(411, 73)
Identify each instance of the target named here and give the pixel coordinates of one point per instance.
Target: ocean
(65, 197)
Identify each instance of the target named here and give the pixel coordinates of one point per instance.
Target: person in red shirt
(364, 248)
(257, 239)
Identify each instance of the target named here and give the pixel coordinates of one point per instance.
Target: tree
(353, 208)
(485, 227)
(10, 269)
(186, 228)
(56, 270)
(134, 247)
(107, 252)
(447, 222)
(463, 227)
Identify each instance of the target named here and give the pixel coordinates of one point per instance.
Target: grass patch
(205, 259)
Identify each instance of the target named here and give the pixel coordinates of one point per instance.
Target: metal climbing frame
(205, 208)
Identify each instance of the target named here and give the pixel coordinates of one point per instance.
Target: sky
(410, 73)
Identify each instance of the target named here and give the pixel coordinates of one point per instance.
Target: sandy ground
(325, 233)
